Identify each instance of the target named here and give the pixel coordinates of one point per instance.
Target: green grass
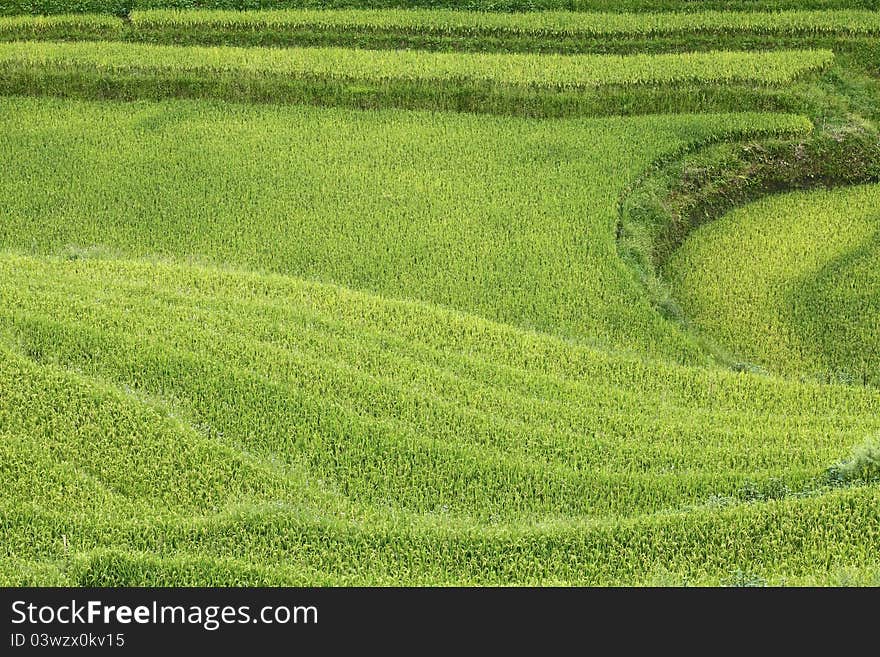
(246, 340)
(68, 26)
(808, 300)
(271, 443)
(559, 72)
(123, 6)
(290, 416)
(509, 83)
(547, 25)
(562, 32)
(407, 204)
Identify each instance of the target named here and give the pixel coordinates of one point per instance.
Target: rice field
(559, 72)
(807, 303)
(333, 295)
(283, 24)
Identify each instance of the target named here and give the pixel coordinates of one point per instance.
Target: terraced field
(807, 303)
(413, 296)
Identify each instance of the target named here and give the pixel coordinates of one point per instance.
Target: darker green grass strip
(124, 7)
(80, 83)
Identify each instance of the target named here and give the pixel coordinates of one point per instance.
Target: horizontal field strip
(781, 536)
(563, 32)
(549, 72)
(510, 84)
(339, 325)
(121, 7)
(543, 24)
(266, 544)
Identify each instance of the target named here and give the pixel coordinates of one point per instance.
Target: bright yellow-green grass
(408, 204)
(179, 424)
(791, 283)
(559, 72)
(545, 23)
(278, 344)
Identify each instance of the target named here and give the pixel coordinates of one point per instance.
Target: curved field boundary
(273, 440)
(401, 243)
(807, 304)
(659, 211)
(339, 340)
